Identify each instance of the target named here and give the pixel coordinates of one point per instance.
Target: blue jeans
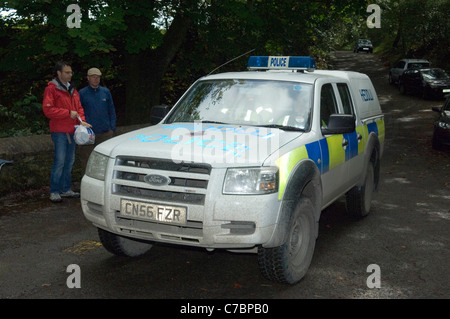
(64, 157)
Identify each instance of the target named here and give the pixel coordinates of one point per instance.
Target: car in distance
(441, 133)
(364, 45)
(406, 64)
(429, 83)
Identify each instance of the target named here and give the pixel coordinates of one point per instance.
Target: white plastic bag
(84, 135)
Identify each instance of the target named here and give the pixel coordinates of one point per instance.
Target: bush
(23, 118)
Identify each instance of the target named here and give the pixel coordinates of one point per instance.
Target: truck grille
(188, 181)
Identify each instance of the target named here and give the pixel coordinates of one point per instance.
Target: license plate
(365, 48)
(446, 90)
(153, 212)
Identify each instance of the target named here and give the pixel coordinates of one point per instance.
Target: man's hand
(85, 124)
(73, 114)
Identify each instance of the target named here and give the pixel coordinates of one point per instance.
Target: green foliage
(414, 29)
(160, 47)
(24, 118)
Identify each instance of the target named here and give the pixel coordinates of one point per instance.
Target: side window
(327, 104)
(400, 64)
(346, 98)
(446, 106)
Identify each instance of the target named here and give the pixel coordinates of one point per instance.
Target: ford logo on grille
(157, 180)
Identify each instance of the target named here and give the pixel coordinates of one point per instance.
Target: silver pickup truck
(244, 161)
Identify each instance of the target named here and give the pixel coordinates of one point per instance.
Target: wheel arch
(304, 181)
(372, 156)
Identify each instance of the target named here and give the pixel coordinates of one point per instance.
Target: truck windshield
(246, 102)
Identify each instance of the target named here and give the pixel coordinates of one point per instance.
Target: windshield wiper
(284, 128)
(213, 122)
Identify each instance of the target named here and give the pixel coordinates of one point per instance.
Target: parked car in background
(363, 45)
(406, 64)
(429, 83)
(441, 134)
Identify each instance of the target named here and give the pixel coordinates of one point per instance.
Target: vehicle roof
(423, 69)
(284, 75)
(415, 60)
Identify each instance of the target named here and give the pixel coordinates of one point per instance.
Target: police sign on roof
(281, 62)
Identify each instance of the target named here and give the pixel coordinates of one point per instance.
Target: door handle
(359, 137)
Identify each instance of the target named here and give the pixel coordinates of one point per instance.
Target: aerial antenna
(231, 61)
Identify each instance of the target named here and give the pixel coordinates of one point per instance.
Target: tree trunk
(145, 70)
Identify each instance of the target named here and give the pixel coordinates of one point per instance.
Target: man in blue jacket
(99, 111)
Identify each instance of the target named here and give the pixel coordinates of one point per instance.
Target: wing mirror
(340, 124)
(436, 109)
(158, 112)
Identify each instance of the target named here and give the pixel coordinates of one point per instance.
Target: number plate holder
(154, 212)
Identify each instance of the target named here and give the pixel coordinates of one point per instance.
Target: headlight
(261, 180)
(443, 125)
(96, 166)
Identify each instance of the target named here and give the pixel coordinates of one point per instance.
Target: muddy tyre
(289, 262)
(122, 246)
(359, 198)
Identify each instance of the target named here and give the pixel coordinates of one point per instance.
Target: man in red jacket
(62, 106)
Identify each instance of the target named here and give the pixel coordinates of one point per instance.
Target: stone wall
(33, 158)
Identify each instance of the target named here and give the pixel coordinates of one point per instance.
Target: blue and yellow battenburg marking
(328, 153)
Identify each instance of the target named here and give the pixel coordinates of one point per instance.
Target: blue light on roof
(281, 62)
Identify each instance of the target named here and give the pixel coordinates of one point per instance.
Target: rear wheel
(289, 262)
(359, 198)
(122, 246)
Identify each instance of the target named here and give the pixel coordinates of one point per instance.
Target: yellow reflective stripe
(335, 150)
(364, 132)
(285, 165)
(381, 132)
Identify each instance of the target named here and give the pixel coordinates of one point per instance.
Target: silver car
(405, 64)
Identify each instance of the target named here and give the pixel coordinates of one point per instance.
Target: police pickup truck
(244, 161)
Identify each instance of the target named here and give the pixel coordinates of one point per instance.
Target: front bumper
(441, 136)
(221, 221)
(364, 49)
(437, 91)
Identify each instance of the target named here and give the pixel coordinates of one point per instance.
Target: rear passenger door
(355, 141)
(415, 81)
(333, 165)
(397, 70)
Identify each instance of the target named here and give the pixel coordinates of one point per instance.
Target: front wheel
(122, 246)
(289, 262)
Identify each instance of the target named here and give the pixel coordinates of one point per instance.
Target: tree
(415, 29)
(148, 47)
(122, 32)
(145, 66)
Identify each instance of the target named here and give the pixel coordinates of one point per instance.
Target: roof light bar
(281, 63)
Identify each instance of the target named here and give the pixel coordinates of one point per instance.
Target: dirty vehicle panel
(244, 161)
